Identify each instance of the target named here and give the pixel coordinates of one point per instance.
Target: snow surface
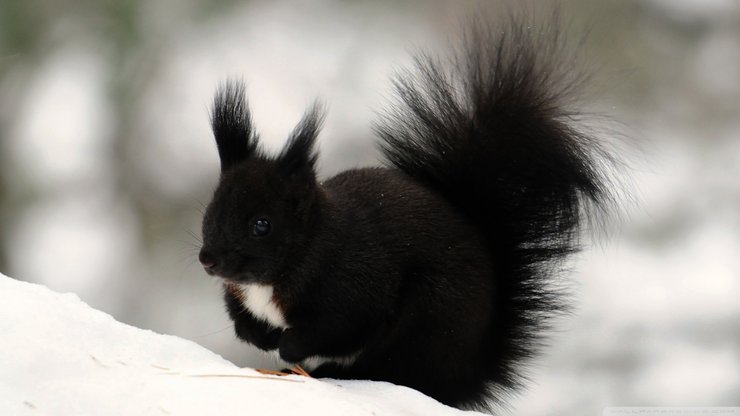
(58, 356)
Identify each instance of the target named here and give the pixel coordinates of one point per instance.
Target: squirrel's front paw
(263, 338)
(291, 349)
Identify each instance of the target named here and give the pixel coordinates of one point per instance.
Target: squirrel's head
(264, 208)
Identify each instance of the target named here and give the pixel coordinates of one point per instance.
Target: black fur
(232, 125)
(435, 272)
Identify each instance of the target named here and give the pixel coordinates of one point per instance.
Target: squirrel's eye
(261, 227)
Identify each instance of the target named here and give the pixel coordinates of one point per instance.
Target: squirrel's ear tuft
(232, 125)
(299, 155)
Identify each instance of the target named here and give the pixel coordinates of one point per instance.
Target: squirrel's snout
(208, 261)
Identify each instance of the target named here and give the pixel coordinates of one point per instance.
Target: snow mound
(58, 356)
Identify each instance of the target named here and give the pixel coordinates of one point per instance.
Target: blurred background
(106, 162)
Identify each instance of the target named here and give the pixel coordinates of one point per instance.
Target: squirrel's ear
(232, 125)
(299, 155)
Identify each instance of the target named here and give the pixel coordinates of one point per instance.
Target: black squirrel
(436, 271)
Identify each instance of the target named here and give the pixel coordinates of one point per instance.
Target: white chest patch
(258, 300)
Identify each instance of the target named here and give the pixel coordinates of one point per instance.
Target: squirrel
(437, 270)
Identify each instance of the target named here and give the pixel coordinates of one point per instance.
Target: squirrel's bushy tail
(492, 131)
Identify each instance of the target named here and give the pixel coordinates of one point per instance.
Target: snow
(58, 356)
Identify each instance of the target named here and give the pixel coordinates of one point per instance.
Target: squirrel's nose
(207, 260)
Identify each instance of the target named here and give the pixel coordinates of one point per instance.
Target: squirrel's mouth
(245, 269)
(248, 276)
